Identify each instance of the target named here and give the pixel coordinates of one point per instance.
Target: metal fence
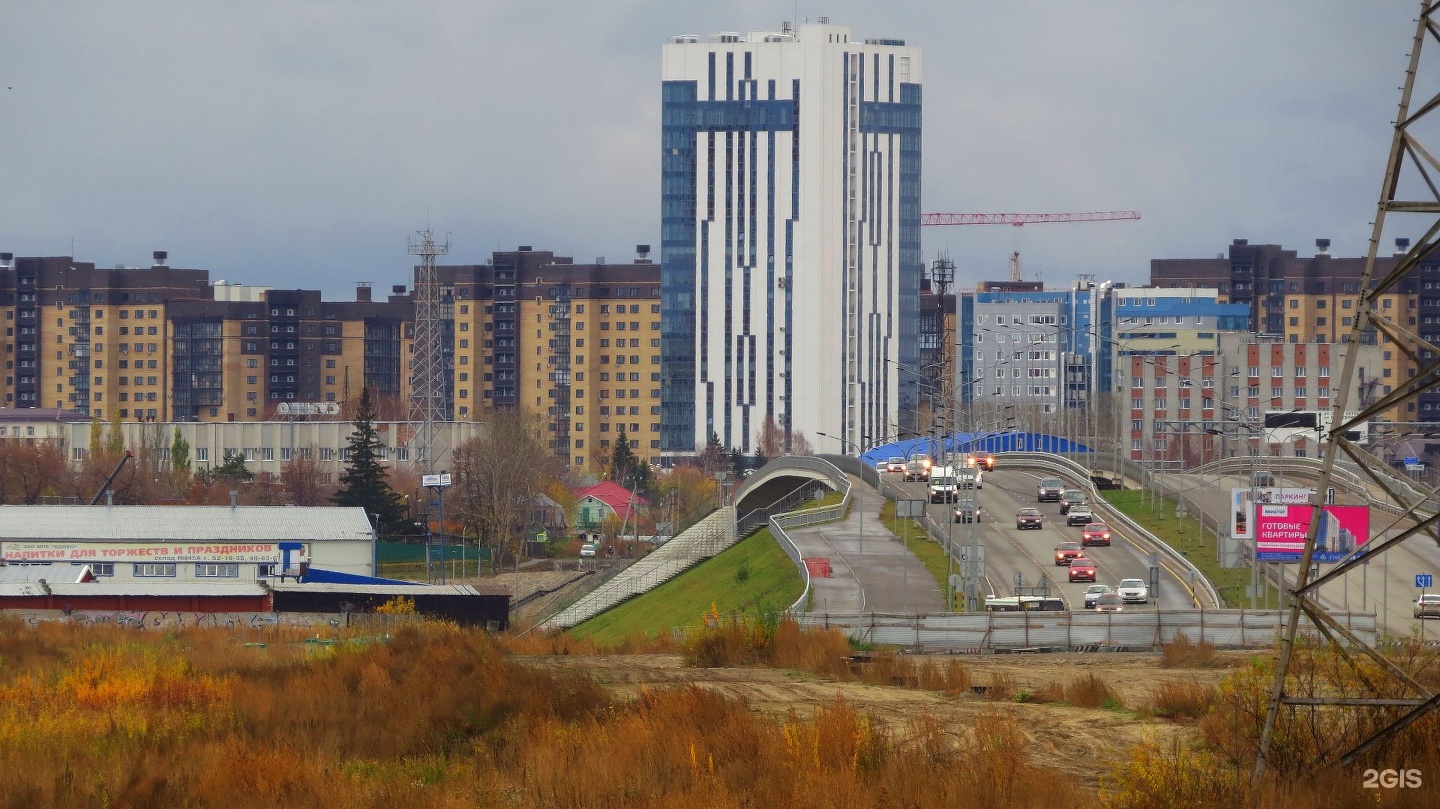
(1077, 631)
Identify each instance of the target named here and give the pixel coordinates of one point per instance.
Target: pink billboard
(1280, 532)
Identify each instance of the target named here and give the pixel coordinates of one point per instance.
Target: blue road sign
(1423, 580)
(1411, 461)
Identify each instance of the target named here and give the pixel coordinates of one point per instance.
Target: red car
(1082, 569)
(1065, 552)
(1095, 533)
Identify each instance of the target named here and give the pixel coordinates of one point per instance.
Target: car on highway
(981, 459)
(1427, 606)
(895, 464)
(1048, 490)
(1080, 515)
(1071, 498)
(967, 511)
(1109, 602)
(1082, 569)
(942, 484)
(971, 479)
(1133, 591)
(918, 468)
(1094, 592)
(1066, 552)
(1029, 518)
(1095, 533)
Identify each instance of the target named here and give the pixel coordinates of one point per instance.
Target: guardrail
(707, 538)
(1064, 466)
(1346, 476)
(1078, 631)
(794, 519)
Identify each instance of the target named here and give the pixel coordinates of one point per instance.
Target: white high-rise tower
(790, 236)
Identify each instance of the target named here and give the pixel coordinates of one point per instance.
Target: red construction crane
(1018, 219)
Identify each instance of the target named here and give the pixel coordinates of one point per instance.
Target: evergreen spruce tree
(232, 469)
(713, 459)
(737, 461)
(626, 469)
(364, 482)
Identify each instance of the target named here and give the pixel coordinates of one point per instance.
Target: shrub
(1183, 699)
(1181, 653)
(1090, 690)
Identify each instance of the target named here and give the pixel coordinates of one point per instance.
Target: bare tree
(300, 478)
(499, 475)
(691, 491)
(32, 468)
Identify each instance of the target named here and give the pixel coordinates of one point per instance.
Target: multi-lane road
(1030, 554)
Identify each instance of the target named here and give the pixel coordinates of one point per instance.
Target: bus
(1025, 604)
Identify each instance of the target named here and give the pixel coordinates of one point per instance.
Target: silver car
(1094, 592)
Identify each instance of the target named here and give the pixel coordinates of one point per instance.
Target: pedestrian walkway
(871, 569)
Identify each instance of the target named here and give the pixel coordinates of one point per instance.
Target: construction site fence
(1140, 630)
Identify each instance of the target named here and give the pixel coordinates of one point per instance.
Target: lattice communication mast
(427, 379)
(1410, 192)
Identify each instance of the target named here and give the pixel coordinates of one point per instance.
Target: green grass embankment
(1190, 538)
(752, 576)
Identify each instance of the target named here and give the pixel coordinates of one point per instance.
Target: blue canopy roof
(1012, 441)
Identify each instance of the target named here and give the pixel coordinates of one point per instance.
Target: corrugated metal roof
(157, 588)
(183, 523)
(395, 589)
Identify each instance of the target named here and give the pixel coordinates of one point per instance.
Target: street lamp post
(859, 511)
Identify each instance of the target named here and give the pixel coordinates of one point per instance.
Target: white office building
(791, 256)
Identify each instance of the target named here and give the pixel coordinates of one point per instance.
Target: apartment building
(68, 325)
(576, 344)
(1314, 299)
(1188, 409)
(790, 235)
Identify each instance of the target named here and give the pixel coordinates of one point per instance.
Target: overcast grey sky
(296, 143)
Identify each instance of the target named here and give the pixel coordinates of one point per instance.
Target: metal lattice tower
(1411, 190)
(427, 371)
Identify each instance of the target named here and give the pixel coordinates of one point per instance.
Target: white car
(587, 551)
(1133, 591)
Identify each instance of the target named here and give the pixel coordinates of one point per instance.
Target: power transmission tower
(427, 379)
(1409, 188)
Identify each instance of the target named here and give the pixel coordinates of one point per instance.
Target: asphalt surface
(1386, 586)
(1030, 553)
(871, 570)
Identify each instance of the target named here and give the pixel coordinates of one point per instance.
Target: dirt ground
(1083, 742)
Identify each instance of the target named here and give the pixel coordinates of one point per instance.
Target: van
(942, 484)
(1262, 480)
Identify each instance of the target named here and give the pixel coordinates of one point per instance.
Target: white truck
(943, 484)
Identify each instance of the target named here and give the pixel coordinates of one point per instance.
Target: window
(102, 568)
(154, 569)
(212, 570)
